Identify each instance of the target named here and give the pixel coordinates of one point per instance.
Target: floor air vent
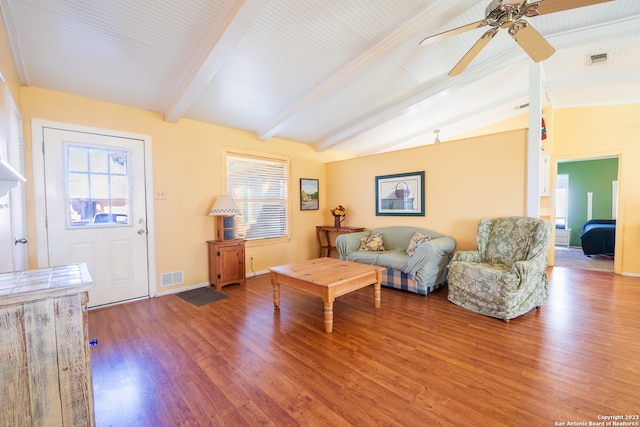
(171, 279)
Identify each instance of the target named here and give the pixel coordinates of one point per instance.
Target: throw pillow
(371, 243)
(415, 241)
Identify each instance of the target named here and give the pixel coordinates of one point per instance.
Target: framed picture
(309, 194)
(400, 195)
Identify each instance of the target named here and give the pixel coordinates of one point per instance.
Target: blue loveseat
(422, 272)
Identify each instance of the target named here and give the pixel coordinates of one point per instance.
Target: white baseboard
(630, 274)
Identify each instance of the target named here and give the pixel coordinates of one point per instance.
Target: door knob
(23, 241)
(141, 231)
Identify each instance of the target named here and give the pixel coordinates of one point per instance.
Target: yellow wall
(465, 180)
(187, 164)
(8, 69)
(591, 132)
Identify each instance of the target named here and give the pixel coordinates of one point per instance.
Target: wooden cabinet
(45, 373)
(226, 262)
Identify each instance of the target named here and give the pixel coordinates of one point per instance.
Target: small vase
(336, 221)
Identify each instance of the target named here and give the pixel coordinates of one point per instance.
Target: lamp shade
(224, 206)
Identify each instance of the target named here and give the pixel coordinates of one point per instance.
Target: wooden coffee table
(327, 278)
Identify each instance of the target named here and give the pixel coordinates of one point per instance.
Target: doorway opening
(586, 210)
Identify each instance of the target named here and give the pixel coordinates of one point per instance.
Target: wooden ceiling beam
(204, 68)
(434, 17)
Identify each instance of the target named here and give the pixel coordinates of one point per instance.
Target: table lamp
(224, 209)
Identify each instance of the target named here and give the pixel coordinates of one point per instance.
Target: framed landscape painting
(309, 194)
(400, 194)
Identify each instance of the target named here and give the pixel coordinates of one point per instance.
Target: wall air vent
(171, 278)
(597, 59)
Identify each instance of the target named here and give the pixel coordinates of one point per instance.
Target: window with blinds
(259, 187)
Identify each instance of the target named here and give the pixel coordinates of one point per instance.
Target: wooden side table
(324, 230)
(226, 262)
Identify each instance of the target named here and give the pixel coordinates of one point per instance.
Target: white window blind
(259, 187)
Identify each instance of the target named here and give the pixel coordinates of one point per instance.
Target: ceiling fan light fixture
(511, 4)
(437, 140)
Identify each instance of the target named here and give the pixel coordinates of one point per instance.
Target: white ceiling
(346, 75)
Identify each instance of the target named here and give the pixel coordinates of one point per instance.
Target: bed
(599, 237)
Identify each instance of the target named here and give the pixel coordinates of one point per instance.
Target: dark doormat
(201, 296)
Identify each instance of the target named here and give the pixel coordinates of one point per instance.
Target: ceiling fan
(509, 14)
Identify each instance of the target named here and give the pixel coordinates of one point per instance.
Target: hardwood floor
(415, 361)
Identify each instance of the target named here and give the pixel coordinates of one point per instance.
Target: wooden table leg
(276, 291)
(328, 316)
(377, 294)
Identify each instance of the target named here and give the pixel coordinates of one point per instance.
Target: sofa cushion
(364, 257)
(389, 259)
(415, 241)
(393, 259)
(371, 243)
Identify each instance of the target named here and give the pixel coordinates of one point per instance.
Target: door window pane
(78, 185)
(78, 160)
(119, 187)
(99, 161)
(98, 186)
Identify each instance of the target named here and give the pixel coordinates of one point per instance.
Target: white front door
(96, 213)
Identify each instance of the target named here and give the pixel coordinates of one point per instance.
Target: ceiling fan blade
(445, 35)
(473, 52)
(551, 6)
(531, 41)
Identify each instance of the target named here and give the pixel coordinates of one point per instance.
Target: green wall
(588, 176)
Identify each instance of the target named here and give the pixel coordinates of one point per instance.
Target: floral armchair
(505, 277)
